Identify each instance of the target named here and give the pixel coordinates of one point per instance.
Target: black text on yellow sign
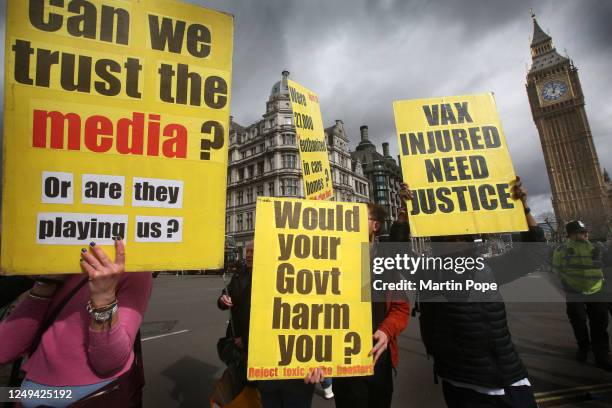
(117, 117)
(455, 159)
(306, 306)
(316, 172)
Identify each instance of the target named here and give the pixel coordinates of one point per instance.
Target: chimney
(386, 149)
(364, 133)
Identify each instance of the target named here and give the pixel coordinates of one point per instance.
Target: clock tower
(557, 106)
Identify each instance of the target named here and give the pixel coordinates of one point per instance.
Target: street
(182, 326)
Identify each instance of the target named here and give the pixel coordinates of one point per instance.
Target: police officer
(578, 263)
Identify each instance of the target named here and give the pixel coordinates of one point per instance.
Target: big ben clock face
(554, 90)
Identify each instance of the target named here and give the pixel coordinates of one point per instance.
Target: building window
(251, 171)
(249, 195)
(271, 189)
(381, 197)
(239, 222)
(344, 179)
(241, 174)
(288, 161)
(239, 197)
(260, 168)
(288, 139)
(260, 190)
(249, 221)
(243, 154)
(289, 187)
(228, 223)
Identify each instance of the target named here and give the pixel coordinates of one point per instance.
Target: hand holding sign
(381, 343)
(104, 274)
(519, 192)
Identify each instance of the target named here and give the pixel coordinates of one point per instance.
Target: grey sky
(361, 55)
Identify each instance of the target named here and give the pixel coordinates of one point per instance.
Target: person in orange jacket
(388, 320)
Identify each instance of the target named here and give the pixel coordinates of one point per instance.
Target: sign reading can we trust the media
(455, 159)
(116, 117)
(316, 172)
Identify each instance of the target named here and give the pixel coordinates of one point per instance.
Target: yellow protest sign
(455, 159)
(116, 118)
(306, 305)
(316, 172)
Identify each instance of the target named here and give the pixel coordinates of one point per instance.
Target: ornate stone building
(557, 105)
(383, 172)
(350, 184)
(263, 160)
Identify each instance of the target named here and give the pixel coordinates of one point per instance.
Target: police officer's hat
(573, 227)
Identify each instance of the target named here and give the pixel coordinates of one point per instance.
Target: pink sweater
(70, 353)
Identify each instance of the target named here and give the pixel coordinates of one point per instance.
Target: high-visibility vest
(578, 264)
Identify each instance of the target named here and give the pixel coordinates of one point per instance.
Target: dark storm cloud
(360, 55)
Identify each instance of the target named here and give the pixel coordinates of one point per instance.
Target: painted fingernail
(83, 250)
(91, 244)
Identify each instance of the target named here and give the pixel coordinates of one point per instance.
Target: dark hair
(378, 212)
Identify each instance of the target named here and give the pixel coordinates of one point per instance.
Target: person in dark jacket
(470, 341)
(237, 298)
(389, 319)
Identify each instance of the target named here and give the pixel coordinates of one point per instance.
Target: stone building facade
(557, 105)
(383, 172)
(263, 160)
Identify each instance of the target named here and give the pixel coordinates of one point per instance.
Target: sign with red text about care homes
(116, 116)
(316, 173)
(455, 160)
(306, 297)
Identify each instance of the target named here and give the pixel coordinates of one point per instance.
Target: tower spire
(539, 36)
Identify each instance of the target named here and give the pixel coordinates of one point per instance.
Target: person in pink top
(90, 343)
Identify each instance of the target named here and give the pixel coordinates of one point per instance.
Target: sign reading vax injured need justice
(115, 124)
(306, 304)
(455, 160)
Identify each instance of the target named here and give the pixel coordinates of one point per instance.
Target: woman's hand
(519, 192)
(226, 300)
(104, 274)
(314, 376)
(406, 195)
(381, 342)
